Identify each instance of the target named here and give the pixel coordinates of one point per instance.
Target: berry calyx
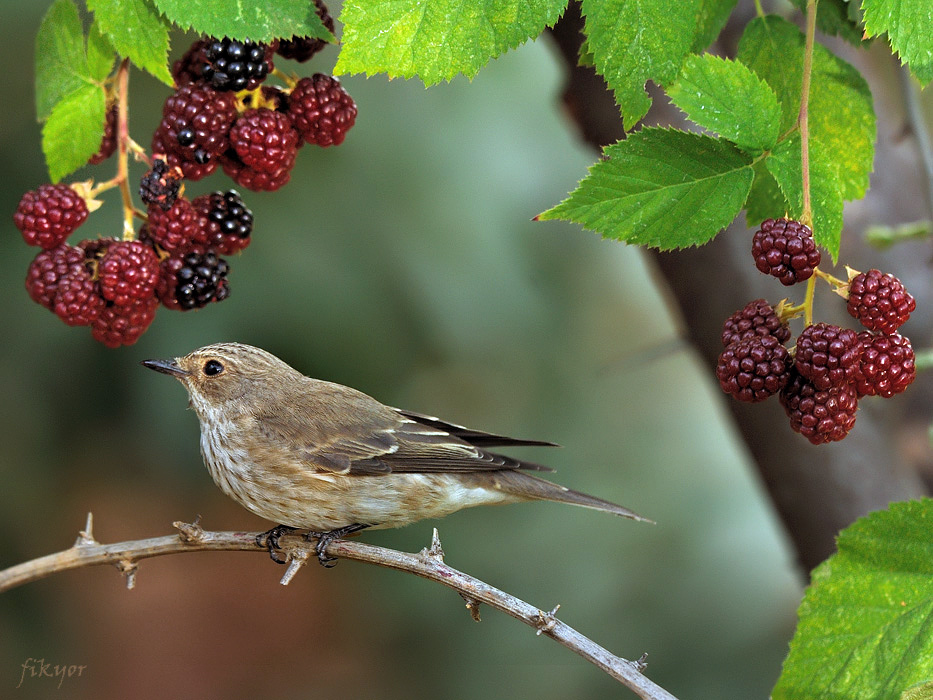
(754, 368)
(756, 318)
(886, 366)
(48, 215)
(321, 110)
(821, 416)
(785, 249)
(879, 301)
(828, 355)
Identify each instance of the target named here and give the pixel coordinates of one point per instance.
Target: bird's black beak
(165, 367)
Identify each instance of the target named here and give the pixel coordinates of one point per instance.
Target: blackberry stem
(123, 138)
(808, 298)
(802, 118)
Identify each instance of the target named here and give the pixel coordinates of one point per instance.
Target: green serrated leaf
(765, 201)
(727, 98)
(909, 26)
(137, 31)
(711, 18)
(61, 63)
(826, 200)
(257, 20)
(437, 39)
(73, 130)
(838, 18)
(100, 54)
(661, 188)
(865, 629)
(920, 691)
(634, 41)
(841, 115)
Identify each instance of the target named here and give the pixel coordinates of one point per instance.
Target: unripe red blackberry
(255, 180)
(785, 249)
(754, 368)
(160, 186)
(77, 299)
(887, 365)
(128, 272)
(226, 222)
(236, 65)
(189, 68)
(828, 355)
(264, 140)
(302, 48)
(123, 325)
(108, 143)
(819, 415)
(48, 267)
(48, 215)
(177, 228)
(879, 301)
(757, 318)
(321, 110)
(193, 279)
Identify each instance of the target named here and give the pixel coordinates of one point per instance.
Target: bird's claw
(325, 538)
(270, 540)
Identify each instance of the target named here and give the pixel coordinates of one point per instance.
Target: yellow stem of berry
(808, 299)
(123, 139)
(802, 118)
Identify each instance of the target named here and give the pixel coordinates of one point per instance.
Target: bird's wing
(474, 437)
(386, 441)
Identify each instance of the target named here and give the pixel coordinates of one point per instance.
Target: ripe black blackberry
(887, 365)
(754, 368)
(48, 267)
(757, 318)
(108, 143)
(123, 325)
(264, 140)
(879, 301)
(48, 215)
(821, 416)
(785, 249)
(828, 355)
(193, 279)
(232, 65)
(160, 186)
(227, 223)
(177, 228)
(77, 299)
(128, 272)
(321, 110)
(302, 48)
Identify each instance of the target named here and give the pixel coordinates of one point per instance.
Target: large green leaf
(841, 116)
(865, 628)
(73, 131)
(711, 18)
(839, 17)
(436, 39)
(258, 20)
(661, 188)
(633, 41)
(61, 61)
(765, 201)
(727, 98)
(137, 31)
(100, 54)
(909, 26)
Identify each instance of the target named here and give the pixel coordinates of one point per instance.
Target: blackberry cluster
(821, 379)
(221, 114)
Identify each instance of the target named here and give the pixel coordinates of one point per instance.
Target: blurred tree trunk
(816, 490)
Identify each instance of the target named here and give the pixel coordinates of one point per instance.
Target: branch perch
(428, 563)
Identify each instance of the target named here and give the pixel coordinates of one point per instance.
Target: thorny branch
(428, 563)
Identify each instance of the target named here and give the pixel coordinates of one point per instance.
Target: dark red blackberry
(887, 365)
(236, 65)
(108, 143)
(321, 110)
(264, 140)
(879, 301)
(828, 355)
(189, 68)
(301, 48)
(253, 179)
(49, 215)
(48, 268)
(128, 272)
(754, 368)
(160, 186)
(177, 228)
(226, 220)
(193, 132)
(785, 249)
(757, 318)
(77, 299)
(819, 415)
(192, 280)
(123, 325)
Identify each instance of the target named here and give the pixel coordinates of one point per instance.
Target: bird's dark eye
(212, 368)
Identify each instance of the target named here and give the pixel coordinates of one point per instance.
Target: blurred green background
(404, 263)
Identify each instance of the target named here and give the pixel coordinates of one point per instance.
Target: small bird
(311, 454)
